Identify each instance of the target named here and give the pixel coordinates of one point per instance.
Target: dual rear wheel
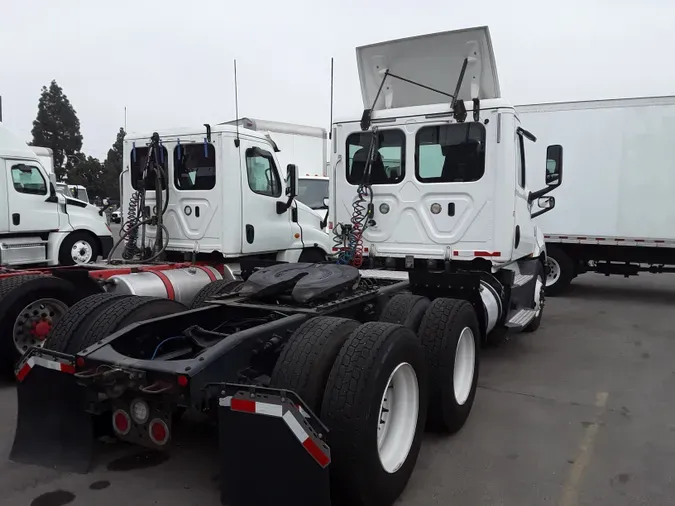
(377, 386)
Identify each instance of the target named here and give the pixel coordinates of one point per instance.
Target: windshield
(312, 192)
(62, 188)
(79, 193)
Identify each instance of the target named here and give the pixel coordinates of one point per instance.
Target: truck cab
(445, 180)
(38, 225)
(227, 195)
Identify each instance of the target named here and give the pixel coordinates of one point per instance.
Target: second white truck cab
(227, 196)
(431, 179)
(39, 225)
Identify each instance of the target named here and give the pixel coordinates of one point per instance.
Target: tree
(112, 167)
(57, 127)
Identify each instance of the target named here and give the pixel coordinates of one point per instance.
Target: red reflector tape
(299, 432)
(487, 253)
(43, 362)
(243, 405)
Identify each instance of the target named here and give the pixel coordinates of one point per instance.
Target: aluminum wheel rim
(35, 321)
(397, 424)
(465, 362)
(552, 271)
(81, 252)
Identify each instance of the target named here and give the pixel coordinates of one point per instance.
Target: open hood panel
(434, 60)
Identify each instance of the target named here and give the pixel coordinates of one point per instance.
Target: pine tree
(57, 127)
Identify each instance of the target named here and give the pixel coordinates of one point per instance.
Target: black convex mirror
(554, 165)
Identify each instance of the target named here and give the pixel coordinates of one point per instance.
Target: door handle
(16, 218)
(250, 234)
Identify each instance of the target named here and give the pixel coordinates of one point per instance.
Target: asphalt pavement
(578, 413)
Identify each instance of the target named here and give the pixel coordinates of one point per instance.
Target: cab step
(521, 318)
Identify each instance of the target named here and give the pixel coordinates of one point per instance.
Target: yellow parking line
(570, 496)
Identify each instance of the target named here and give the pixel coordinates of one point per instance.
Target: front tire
(79, 248)
(375, 407)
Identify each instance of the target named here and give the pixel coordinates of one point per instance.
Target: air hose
(349, 239)
(136, 221)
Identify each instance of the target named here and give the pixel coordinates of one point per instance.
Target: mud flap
(53, 429)
(277, 457)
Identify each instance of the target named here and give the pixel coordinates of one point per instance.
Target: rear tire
(405, 309)
(124, 312)
(76, 320)
(450, 335)
(213, 289)
(30, 305)
(374, 452)
(307, 358)
(559, 270)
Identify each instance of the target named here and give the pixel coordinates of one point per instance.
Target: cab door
(264, 229)
(30, 207)
(524, 240)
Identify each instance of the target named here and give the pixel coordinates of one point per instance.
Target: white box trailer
(616, 212)
(302, 145)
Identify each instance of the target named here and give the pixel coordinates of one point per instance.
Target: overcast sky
(170, 62)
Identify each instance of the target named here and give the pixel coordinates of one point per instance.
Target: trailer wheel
(559, 270)
(79, 248)
(75, 321)
(29, 306)
(212, 289)
(375, 406)
(450, 335)
(539, 301)
(124, 312)
(308, 356)
(405, 309)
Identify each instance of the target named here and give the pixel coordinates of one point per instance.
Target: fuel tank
(177, 284)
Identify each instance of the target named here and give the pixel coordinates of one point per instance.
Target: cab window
(139, 157)
(28, 179)
(262, 173)
(388, 164)
(194, 166)
(450, 153)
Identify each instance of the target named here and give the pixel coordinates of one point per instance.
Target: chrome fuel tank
(178, 284)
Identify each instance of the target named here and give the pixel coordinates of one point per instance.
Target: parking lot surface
(578, 413)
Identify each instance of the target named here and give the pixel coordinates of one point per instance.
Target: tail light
(159, 432)
(140, 411)
(121, 422)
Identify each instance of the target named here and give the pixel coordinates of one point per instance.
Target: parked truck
(616, 210)
(323, 376)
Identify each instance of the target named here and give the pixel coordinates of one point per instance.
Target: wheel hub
(81, 252)
(552, 271)
(35, 322)
(465, 363)
(397, 422)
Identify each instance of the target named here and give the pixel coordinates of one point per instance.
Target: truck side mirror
(326, 202)
(545, 204)
(292, 181)
(554, 165)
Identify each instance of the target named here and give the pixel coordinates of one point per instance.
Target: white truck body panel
(227, 216)
(619, 170)
(46, 157)
(302, 145)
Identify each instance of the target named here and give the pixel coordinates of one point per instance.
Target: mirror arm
(283, 207)
(540, 193)
(324, 222)
(539, 213)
